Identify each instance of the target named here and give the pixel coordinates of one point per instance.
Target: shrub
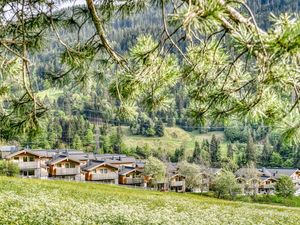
(285, 187)
(225, 185)
(9, 169)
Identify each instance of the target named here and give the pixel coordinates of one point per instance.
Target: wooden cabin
(131, 176)
(101, 171)
(267, 185)
(30, 163)
(177, 183)
(63, 167)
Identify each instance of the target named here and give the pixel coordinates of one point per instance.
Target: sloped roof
(61, 158)
(95, 164)
(8, 148)
(242, 172)
(278, 172)
(172, 167)
(211, 171)
(121, 160)
(128, 169)
(24, 151)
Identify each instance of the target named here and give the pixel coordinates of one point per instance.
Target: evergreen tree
(215, 154)
(171, 121)
(297, 157)
(230, 151)
(159, 128)
(197, 153)
(76, 142)
(266, 153)
(179, 154)
(116, 142)
(250, 150)
(276, 160)
(89, 137)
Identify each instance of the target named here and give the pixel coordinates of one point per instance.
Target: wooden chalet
(64, 167)
(177, 183)
(131, 176)
(30, 163)
(101, 171)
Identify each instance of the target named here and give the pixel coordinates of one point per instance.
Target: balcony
(137, 180)
(104, 176)
(177, 183)
(67, 171)
(28, 165)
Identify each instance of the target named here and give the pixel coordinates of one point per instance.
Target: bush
(225, 185)
(9, 169)
(284, 187)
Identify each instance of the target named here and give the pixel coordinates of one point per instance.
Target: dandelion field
(25, 201)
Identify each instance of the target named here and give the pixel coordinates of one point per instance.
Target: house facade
(64, 167)
(131, 176)
(100, 171)
(31, 164)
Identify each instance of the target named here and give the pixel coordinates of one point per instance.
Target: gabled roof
(61, 158)
(211, 171)
(95, 164)
(127, 169)
(267, 178)
(121, 160)
(24, 151)
(278, 172)
(8, 148)
(172, 167)
(177, 175)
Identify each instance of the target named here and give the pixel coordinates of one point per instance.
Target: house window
(16, 158)
(28, 173)
(58, 165)
(70, 165)
(103, 171)
(28, 159)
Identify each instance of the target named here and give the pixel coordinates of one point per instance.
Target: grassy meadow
(174, 138)
(27, 201)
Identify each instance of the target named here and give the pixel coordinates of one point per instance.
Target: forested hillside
(84, 112)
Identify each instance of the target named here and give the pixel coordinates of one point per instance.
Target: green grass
(25, 201)
(174, 138)
(272, 199)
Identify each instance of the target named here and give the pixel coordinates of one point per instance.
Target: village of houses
(120, 169)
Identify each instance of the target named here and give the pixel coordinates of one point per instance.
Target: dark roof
(61, 158)
(210, 171)
(172, 167)
(94, 164)
(278, 172)
(8, 148)
(128, 169)
(121, 160)
(23, 151)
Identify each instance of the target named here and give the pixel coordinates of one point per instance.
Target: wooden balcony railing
(29, 165)
(136, 180)
(177, 183)
(104, 176)
(67, 171)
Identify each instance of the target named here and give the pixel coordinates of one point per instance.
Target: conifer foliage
(228, 65)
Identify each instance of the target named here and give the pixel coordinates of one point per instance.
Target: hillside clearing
(174, 138)
(25, 201)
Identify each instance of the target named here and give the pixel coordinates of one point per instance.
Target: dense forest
(84, 114)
